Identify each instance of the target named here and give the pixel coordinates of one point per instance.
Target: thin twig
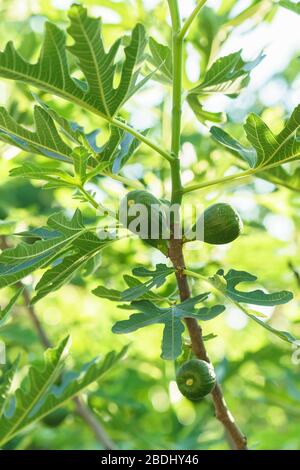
(44, 340)
(295, 272)
(82, 410)
(191, 18)
(89, 418)
(235, 177)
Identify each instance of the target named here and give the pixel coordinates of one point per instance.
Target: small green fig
(220, 223)
(195, 379)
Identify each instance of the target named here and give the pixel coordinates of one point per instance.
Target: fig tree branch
(237, 438)
(141, 137)
(191, 18)
(234, 177)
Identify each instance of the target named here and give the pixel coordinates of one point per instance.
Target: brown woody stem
(236, 438)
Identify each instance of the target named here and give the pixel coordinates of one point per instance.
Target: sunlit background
(139, 403)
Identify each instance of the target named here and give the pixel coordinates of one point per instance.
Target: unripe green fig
(56, 418)
(195, 379)
(144, 215)
(221, 224)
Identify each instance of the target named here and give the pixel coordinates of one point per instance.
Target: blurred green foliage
(139, 403)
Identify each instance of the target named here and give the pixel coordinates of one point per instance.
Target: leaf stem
(139, 136)
(88, 197)
(176, 102)
(83, 411)
(175, 15)
(221, 291)
(234, 177)
(122, 179)
(187, 272)
(191, 18)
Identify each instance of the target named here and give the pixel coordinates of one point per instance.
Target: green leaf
(6, 382)
(293, 6)
(203, 115)
(170, 317)
(98, 66)
(38, 394)
(65, 226)
(209, 337)
(257, 11)
(247, 154)
(18, 262)
(75, 230)
(227, 285)
(48, 142)
(29, 394)
(279, 175)
(85, 246)
(149, 295)
(45, 140)
(161, 59)
(44, 172)
(132, 282)
(158, 278)
(119, 148)
(30, 170)
(128, 146)
(257, 297)
(6, 311)
(59, 275)
(55, 277)
(268, 150)
(80, 158)
(284, 335)
(229, 75)
(51, 72)
(72, 130)
(99, 69)
(57, 177)
(59, 395)
(105, 293)
(40, 233)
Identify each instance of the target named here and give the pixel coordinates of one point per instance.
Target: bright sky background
(279, 40)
